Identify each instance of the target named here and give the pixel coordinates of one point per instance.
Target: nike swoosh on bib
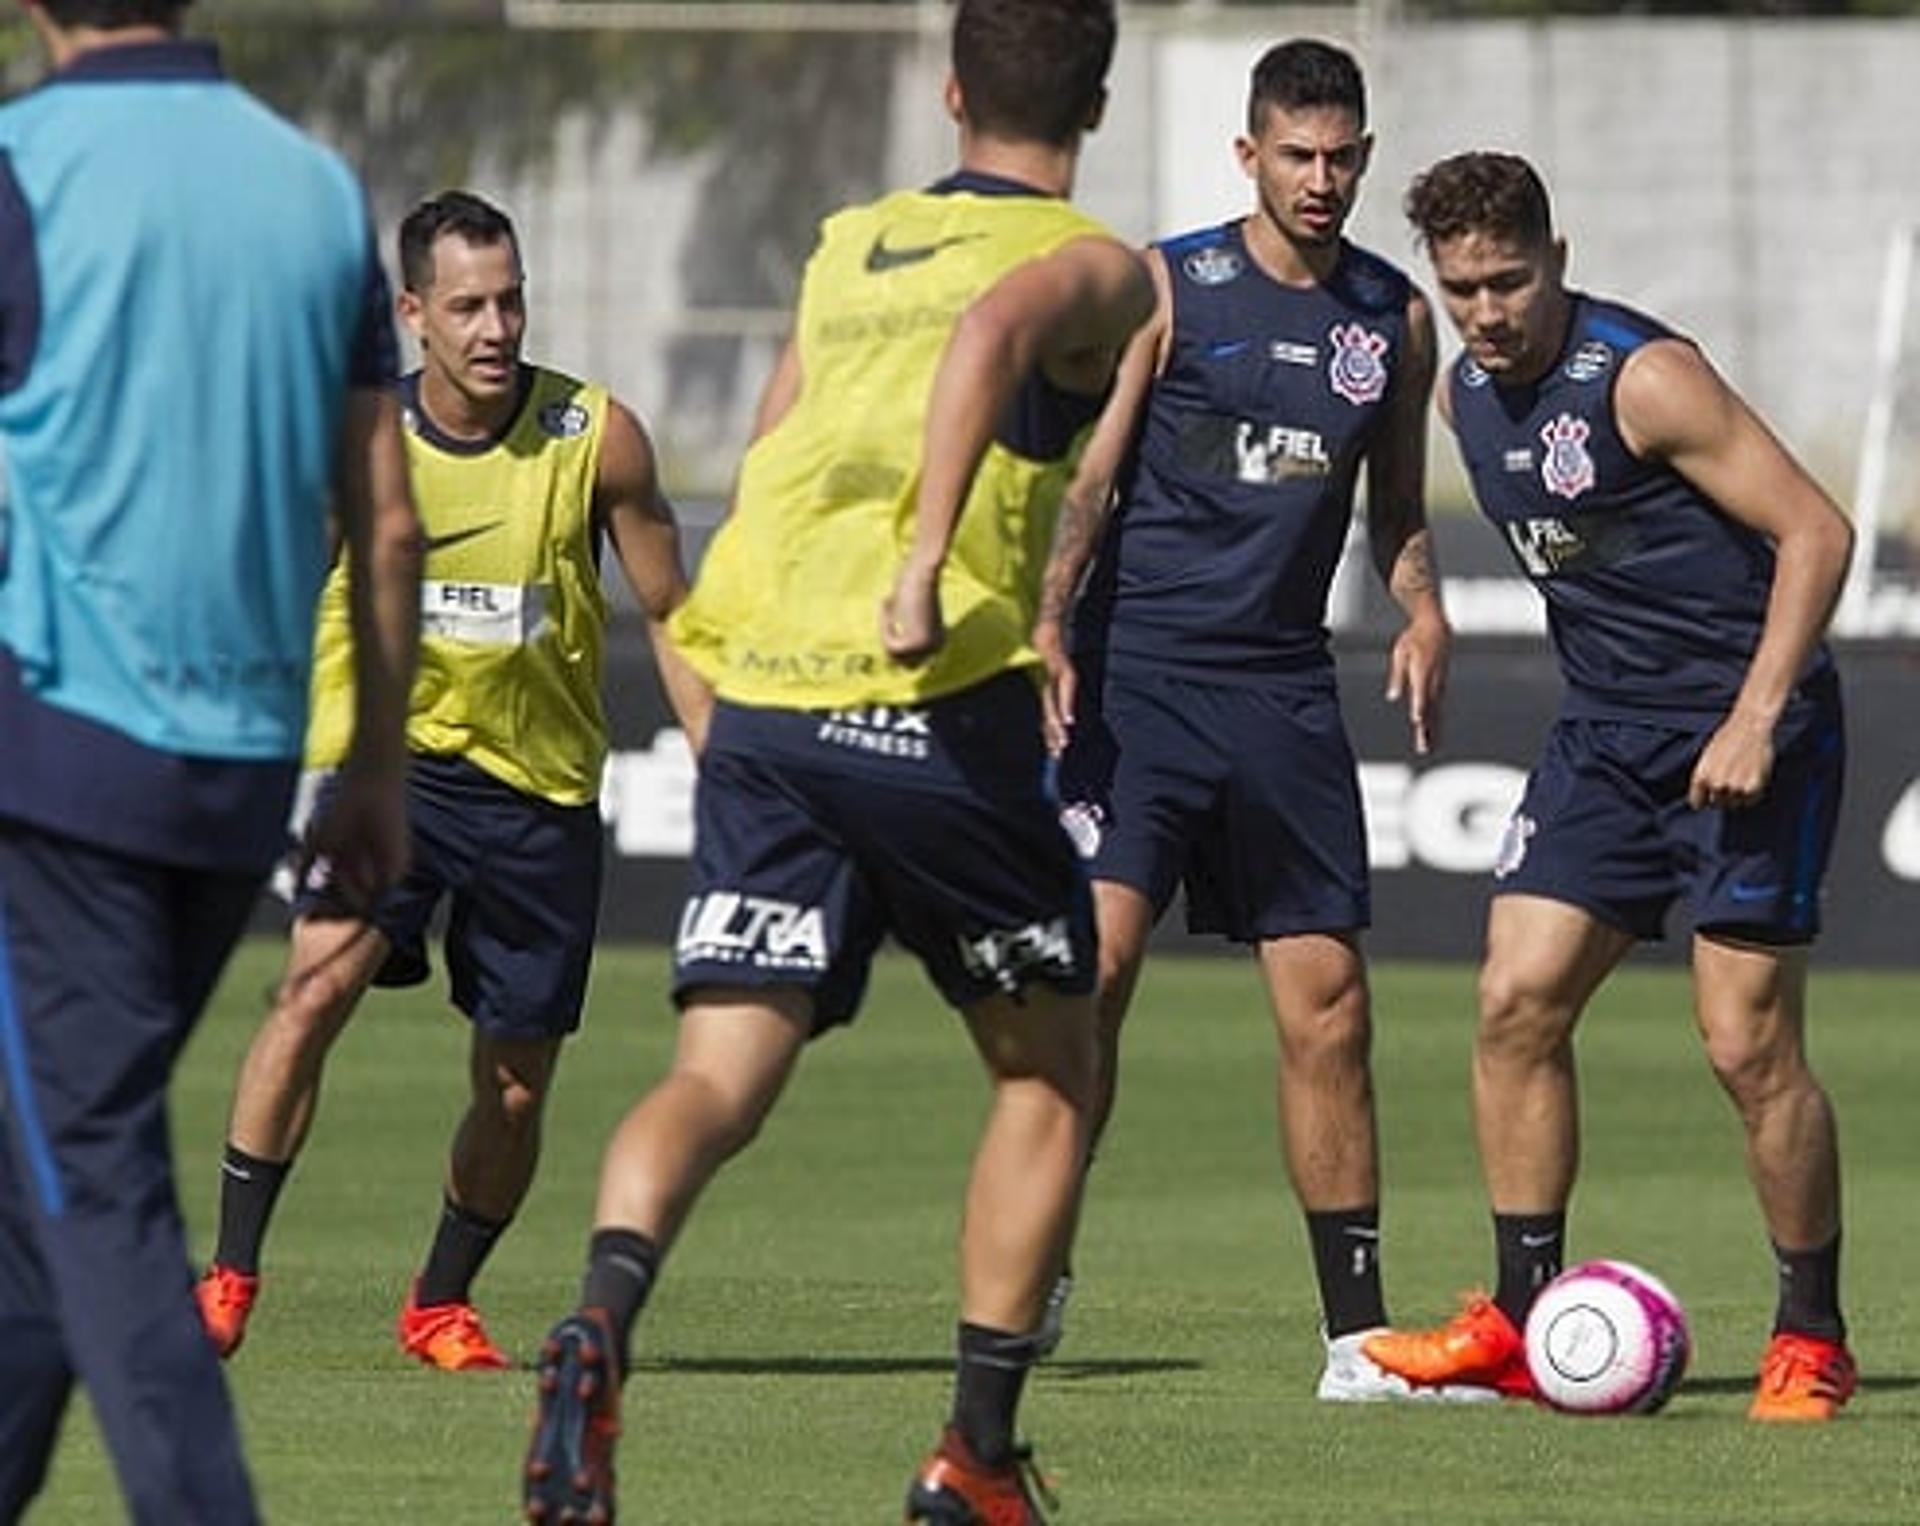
(454, 537)
(881, 259)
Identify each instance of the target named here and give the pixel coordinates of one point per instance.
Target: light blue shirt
(179, 317)
(188, 289)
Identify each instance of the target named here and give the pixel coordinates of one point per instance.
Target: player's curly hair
(1499, 195)
(1302, 74)
(1033, 70)
(111, 15)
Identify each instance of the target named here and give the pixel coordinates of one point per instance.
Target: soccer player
(519, 472)
(1689, 566)
(1206, 743)
(195, 357)
(871, 772)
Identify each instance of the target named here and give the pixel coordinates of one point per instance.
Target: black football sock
(1810, 1292)
(1346, 1259)
(993, 1369)
(622, 1267)
(249, 1187)
(1530, 1248)
(460, 1247)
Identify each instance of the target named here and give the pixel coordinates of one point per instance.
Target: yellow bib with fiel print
(512, 618)
(786, 610)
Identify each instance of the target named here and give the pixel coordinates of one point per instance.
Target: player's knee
(1755, 1069)
(730, 1115)
(737, 1125)
(1519, 1020)
(511, 1078)
(309, 1011)
(519, 1103)
(1336, 1036)
(1046, 1035)
(1067, 1068)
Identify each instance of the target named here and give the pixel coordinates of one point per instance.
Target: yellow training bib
(512, 619)
(786, 608)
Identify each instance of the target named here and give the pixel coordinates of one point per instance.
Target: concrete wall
(1740, 178)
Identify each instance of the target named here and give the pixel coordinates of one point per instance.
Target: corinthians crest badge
(1356, 370)
(1567, 466)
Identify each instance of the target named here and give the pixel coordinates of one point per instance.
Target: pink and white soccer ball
(1607, 1338)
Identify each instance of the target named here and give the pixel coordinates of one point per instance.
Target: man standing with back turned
(1208, 745)
(195, 357)
(1689, 567)
(868, 773)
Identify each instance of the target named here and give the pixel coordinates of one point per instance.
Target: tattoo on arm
(1413, 571)
(1403, 553)
(1082, 517)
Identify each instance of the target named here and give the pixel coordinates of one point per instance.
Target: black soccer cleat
(568, 1480)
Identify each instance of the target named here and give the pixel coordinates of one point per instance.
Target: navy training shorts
(1604, 825)
(521, 877)
(1245, 792)
(817, 832)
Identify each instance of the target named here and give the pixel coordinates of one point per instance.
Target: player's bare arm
(363, 837)
(1069, 314)
(646, 539)
(1088, 502)
(1673, 406)
(1401, 542)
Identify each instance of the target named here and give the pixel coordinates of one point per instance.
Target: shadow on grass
(1877, 1383)
(1081, 1372)
(881, 1366)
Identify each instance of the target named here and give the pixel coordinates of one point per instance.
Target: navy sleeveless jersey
(1235, 500)
(1655, 597)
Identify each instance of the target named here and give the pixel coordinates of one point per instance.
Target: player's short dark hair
(1499, 195)
(460, 213)
(110, 15)
(1033, 70)
(1302, 74)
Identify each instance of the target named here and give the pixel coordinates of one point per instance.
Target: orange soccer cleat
(1478, 1347)
(954, 1488)
(226, 1299)
(448, 1336)
(568, 1478)
(1803, 1378)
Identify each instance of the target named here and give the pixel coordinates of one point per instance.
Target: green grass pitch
(795, 1362)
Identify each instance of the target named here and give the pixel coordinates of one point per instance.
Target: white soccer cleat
(1353, 1377)
(1053, 1318)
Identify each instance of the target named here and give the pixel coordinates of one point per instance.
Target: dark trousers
(105, 965)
